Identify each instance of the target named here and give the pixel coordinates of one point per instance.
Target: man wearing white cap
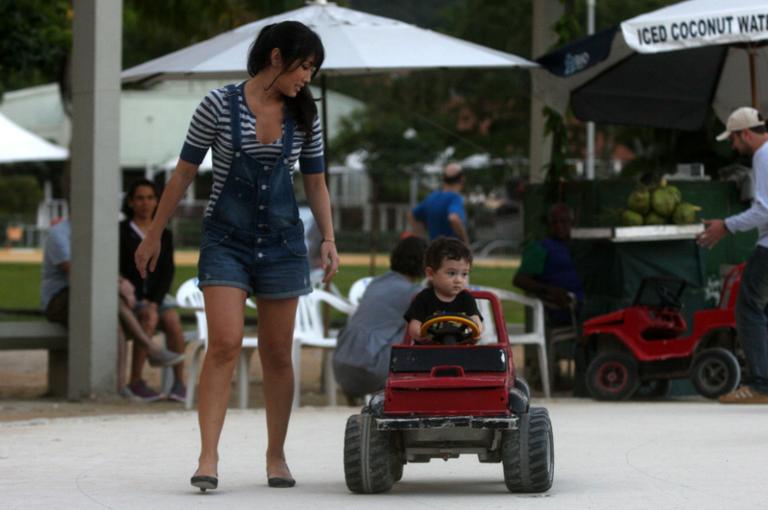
(747, 132)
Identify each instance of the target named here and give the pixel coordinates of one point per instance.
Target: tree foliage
(35, 40)
(19, 195)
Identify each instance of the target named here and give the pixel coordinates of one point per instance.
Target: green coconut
(685, 213)
(631, 218)
(664, 199)
(654, 219)
(639, 201)
(675, 191)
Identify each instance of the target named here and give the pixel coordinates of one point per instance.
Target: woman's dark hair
(446, 248)
(126, 209)
(408, 257)
(296, 43)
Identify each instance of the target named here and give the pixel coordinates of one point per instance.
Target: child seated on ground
(446, 263)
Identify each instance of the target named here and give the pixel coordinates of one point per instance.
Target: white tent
(17, 145)
(355, 43)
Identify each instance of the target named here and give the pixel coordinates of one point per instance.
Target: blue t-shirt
(55, 252)
(434, 211)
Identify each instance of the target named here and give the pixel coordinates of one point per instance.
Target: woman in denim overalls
(252, 239)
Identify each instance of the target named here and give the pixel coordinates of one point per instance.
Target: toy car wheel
(528, 454)
(612, 376)
(715, 371)
(368, 458)
(397, 468)
(522, 385)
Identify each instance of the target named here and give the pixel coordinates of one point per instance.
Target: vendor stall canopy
(665, 68)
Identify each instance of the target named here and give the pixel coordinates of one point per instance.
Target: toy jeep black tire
(715, 372)
(368, 456)
(612, 376)
(528, 454)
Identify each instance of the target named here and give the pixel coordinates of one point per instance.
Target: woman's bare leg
(132, 326)
(224, 309)
(170, 323)
(121, 354)
(138, 358)
(275, 331)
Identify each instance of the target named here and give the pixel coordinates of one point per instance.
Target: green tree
(35, 41)
(19, 195)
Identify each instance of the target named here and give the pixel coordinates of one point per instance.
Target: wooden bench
(29, 335)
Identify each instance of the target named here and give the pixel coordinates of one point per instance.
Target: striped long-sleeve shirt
(210, 128)
(757, 215)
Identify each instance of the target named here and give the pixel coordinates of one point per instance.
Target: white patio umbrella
(667, 67)
(696, 23)
(355, 43)
(17, 145)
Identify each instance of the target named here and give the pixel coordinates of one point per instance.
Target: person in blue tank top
(442, 212)
(252, 240)
(547, 270)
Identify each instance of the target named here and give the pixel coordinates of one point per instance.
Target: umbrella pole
(752, 78)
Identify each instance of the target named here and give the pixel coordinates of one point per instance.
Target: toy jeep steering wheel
(449, 329)
(668, 299)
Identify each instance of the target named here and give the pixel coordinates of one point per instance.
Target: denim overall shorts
(254, 239)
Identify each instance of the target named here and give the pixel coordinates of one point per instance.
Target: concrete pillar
(96, 64)
(545, 15)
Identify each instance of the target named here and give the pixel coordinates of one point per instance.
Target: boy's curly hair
(446, 248)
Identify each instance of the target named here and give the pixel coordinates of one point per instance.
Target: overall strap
(233, 95)
(288, 129)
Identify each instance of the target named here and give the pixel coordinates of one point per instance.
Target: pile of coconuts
(659, 205)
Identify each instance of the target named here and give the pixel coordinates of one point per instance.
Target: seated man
(54, 297)
(361, 358)
(547, 270)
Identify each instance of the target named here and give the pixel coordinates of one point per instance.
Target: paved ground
(677, 454)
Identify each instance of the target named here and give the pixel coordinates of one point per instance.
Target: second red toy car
(645, 344)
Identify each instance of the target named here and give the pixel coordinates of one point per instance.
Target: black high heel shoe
(280, 483)
(204, 482)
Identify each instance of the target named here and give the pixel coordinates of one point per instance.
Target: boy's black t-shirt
(426, 303)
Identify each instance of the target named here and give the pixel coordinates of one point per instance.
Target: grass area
(21, 284)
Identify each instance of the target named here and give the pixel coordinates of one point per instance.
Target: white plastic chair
(316, 280)
(250, 344)
(308, 331)
(190, 296)
(357, 290)
(536, 337)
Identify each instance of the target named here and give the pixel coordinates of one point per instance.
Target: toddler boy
(446, 263)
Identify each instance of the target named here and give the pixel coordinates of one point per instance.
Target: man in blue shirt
(442, 212)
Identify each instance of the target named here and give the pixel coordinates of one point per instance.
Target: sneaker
(744, 395)
(140, 391)
(165, 358)
(178, 392)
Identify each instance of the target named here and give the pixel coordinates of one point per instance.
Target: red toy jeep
(642, 347)
(447, 398)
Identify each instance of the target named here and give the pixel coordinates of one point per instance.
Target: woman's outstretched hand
(146, 255)
(330, 258)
